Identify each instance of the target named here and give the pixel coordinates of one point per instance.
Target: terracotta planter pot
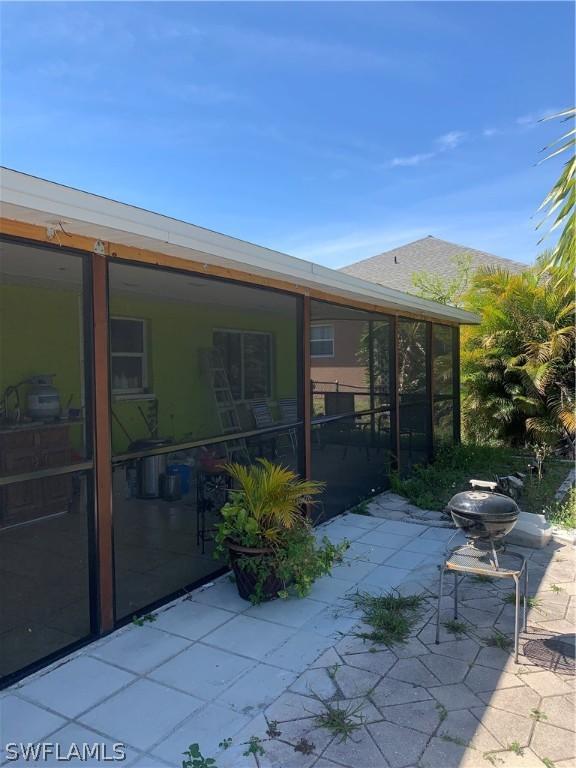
(246, 580)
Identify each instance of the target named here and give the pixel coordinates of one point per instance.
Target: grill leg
(440, 587)
(455, 595)
(516, 617)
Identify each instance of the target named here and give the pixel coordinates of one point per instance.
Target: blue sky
(331, 131)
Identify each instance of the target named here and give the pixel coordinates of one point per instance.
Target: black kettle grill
(484, 516)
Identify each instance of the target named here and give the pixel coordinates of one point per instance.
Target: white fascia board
(34, 200)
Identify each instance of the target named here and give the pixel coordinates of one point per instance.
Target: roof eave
(37, 201)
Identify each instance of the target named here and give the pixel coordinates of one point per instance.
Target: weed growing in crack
(332, 671)
(455, 627)
(391, 615)
(531, 602)
(272, 731)
(195, 759)
(548, 763)
(555, 588)
(516, 748)
(454, 740)
(225, 743)
(537, 714)
(492, 757)
(254, 747)
(498, 640)
(340, 720)
(442, 711)
(481, 578)
(304, 746)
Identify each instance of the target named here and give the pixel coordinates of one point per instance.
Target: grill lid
(483, 504)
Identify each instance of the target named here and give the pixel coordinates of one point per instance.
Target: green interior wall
(175, 335)
(40, 333)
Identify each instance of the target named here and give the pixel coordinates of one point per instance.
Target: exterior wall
(344, 367)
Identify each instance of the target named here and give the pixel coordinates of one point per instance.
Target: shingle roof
(394, 268)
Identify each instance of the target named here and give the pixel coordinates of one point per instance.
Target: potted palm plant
(268, 537)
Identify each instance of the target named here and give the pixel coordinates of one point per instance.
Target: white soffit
(37, 201)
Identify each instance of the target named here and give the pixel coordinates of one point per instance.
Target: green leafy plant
(340, 719)
(518, 363)
(268, 502)
(541, 453)
(148, 618)
(548, 763)
(391, 615)
(195, 759)
(556, 588)
(455, 627)
(225, 743)
(516, 748)
(254, 747)
(537, 714)
(445, 290)
(264, 523)
(433, 485)
(563, 513)
(498, 640)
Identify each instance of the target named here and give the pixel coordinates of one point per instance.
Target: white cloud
(450, 140)
(445, 143)
(489, 132)
(411, 160)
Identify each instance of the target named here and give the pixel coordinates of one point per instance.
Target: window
(322, 340)
(247, 357)
(128, 355)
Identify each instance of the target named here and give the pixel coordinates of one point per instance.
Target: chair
(263, 419)
(289, 415)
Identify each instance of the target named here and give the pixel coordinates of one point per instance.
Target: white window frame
(323, 325)
(243, 332)
(143, 355)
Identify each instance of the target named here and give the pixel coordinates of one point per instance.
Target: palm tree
(518, 364)
(560, 203)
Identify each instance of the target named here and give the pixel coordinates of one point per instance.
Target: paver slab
(400, 746)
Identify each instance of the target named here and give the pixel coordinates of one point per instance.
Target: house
(335, 344)
(139, 353)
(395, 268)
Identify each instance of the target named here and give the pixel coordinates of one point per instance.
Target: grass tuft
(455, 627)
(340, 720)
(498, 640)
(391, 615)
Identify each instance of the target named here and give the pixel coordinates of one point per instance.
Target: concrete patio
(210, 667)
